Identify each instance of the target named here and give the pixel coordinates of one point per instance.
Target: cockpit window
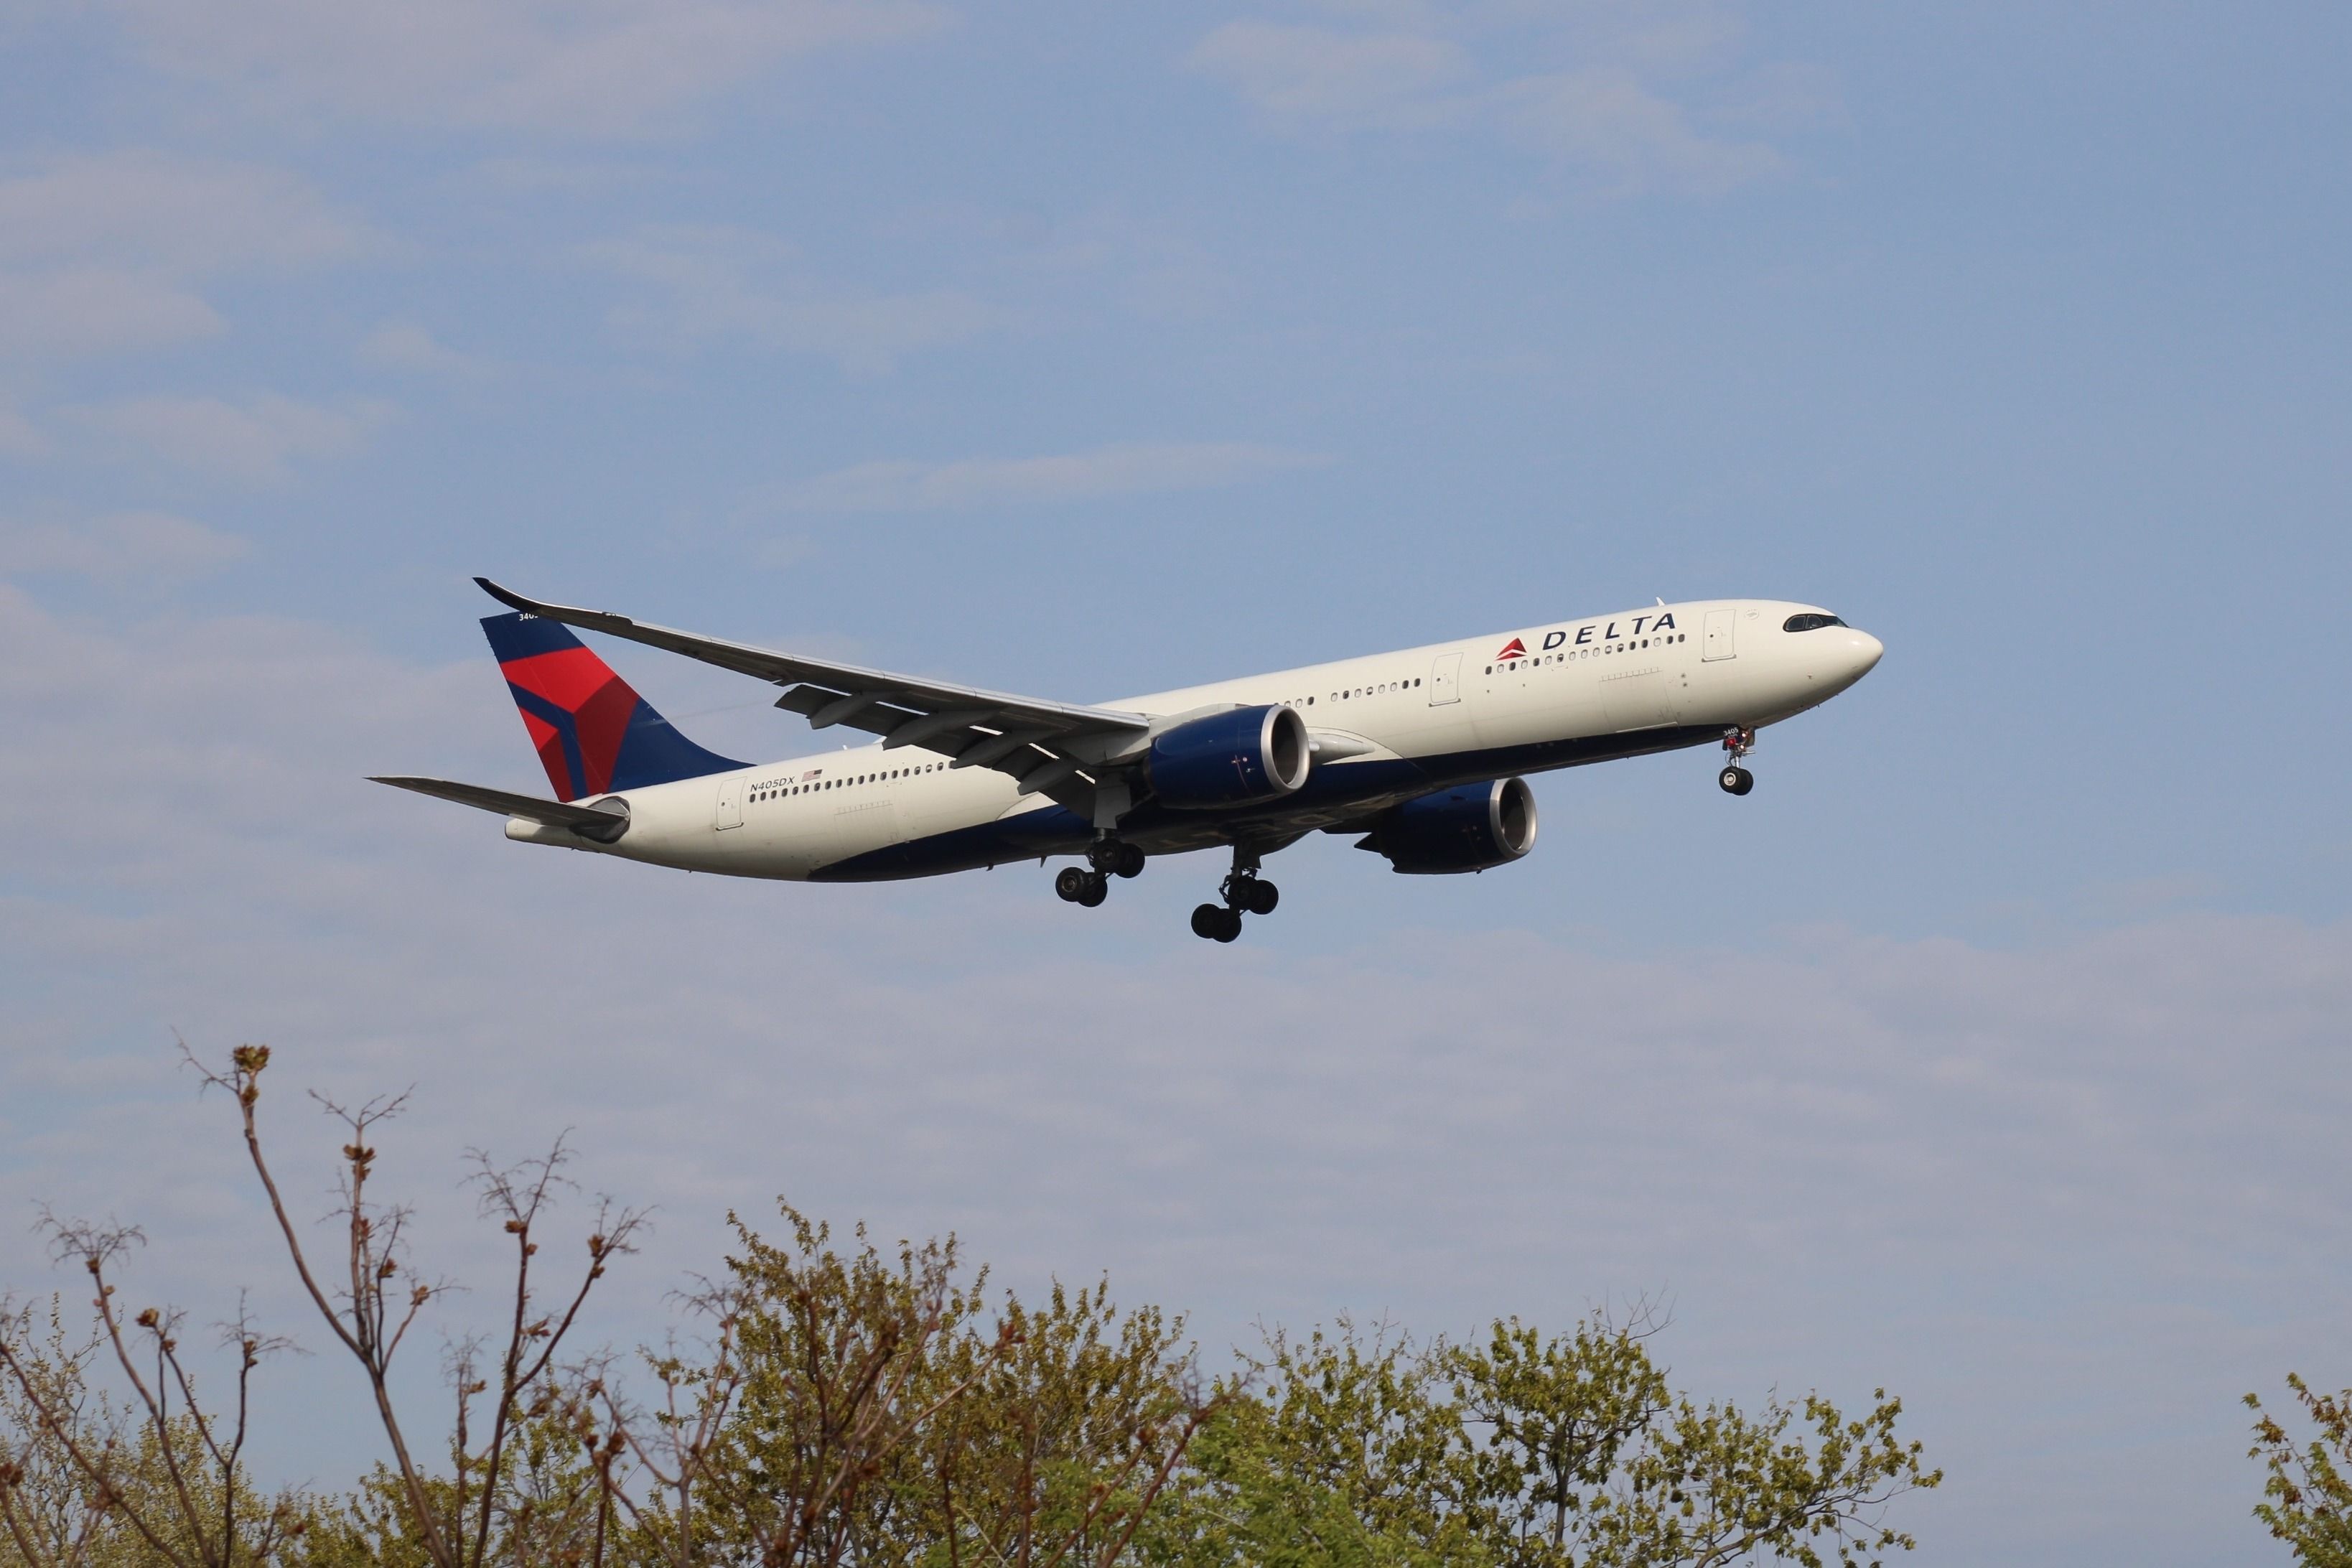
(1810, 623)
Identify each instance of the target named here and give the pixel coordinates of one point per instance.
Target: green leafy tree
(1527, 1452)
(1797, 1483)
(2306, 1498)
(838, 1372)
(1067, 1423)
(1350, 1453)
(1554, 1420)
(881, 1414)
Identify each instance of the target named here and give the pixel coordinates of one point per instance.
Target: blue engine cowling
(1240, 758)
(1468, 829)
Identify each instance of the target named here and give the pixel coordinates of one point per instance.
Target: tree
(1527, 1452)
(2307, 1497)
(827, 1406)
(882, 1415)
(1559, 1417)
(1068, 1421)
(1717, 1487)
(156, 1478)
(1350, 1456)
(379, 1297)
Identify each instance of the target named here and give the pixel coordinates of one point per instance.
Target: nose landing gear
(1737, 741)
(1244, 892)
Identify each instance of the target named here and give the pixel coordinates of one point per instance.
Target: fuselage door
(1445, 680)
(1718, 633)
(728, 810)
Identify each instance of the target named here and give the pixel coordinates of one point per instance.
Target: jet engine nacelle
(1238, 758)
(1466, 828)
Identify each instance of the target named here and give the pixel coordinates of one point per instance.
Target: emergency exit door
(1445, 680)
(1718, 633)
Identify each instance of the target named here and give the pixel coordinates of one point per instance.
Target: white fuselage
(1386, 728)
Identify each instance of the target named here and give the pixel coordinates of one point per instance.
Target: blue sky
(1990, 1051)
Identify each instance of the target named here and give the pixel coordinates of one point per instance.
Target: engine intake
(1468, 829)
(1231, 759)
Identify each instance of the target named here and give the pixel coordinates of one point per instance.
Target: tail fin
(592, 732)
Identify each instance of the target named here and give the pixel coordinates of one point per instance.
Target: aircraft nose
(1865, 652)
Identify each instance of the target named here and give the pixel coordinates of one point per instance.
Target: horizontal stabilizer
(602, 824)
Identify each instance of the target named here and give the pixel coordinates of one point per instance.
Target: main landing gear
(1115, 856)
(1244, 892)
(1109, 857)
(1076, 885)
(1737, 741)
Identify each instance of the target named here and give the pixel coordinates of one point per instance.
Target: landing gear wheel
(1097, 889)
(1115, 856)
(1208, 920)
(1736, 780)
(1229, 925)
(1257, 897)
(1070, 885)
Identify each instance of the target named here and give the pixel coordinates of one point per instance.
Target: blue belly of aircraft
(1329, 797)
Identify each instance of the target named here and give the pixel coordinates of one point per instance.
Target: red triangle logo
(1515, 648)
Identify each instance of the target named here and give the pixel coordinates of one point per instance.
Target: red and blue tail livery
(592, 732)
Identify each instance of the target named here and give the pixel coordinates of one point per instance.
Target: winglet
(570, 615)
(510, 599)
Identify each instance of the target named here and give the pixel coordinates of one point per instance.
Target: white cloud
(59, 315)
(160, 211)
(404, 345)
(255, 441)
(99, 253)
(602, 67)
(1132, 468)
(1608, 122)
(19, 436)
(717, 285)
(1302, 73)
(1406, 67)
(115, 545)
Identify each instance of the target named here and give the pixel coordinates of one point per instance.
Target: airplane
(1419, 753)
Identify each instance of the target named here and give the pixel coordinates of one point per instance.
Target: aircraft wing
(601, 823)
(1048, 746)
